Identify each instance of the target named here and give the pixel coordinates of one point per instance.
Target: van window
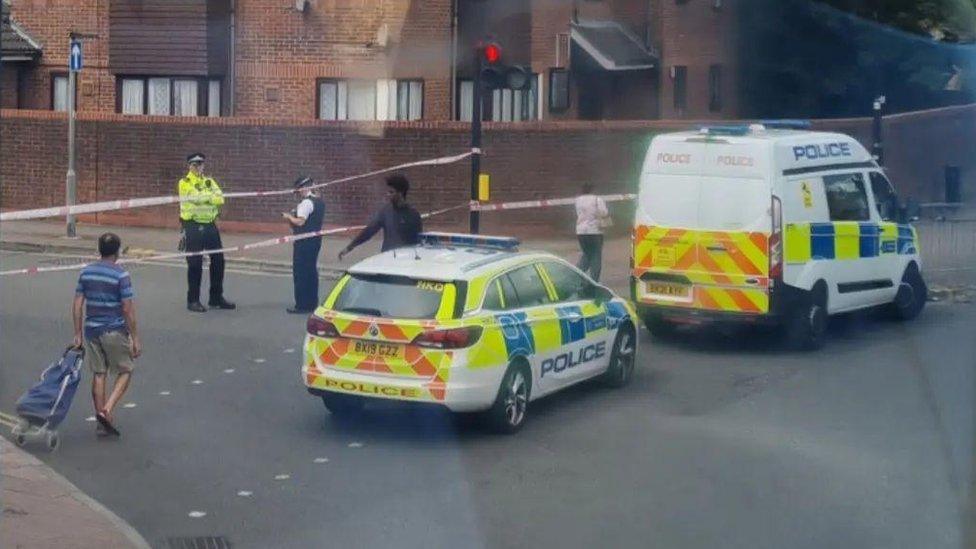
(846, 198)
(885, 198)
(705, 202)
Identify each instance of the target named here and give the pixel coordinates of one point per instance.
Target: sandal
(104, 422)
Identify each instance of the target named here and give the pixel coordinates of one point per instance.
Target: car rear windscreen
(397, 297)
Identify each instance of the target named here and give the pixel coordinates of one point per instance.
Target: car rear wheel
(911, 296)
(342, 405)
(508, 413)
(622, 358)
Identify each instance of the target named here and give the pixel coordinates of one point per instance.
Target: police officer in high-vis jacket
(200, 202)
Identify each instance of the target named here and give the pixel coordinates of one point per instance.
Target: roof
(442, 263)
(17, 44)
(612, 46)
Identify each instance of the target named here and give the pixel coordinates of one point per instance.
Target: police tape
(277, 241)
(479, 207)
(129, 203)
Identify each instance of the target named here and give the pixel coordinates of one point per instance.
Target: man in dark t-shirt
(400, 222)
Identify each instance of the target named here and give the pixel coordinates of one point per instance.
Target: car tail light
(776, 241)
(320, 327)
(454, 338)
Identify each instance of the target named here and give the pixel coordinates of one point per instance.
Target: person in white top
(592, 217)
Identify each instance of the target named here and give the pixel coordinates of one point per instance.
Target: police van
(769, 223)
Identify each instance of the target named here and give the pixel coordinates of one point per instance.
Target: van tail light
(320, 327)
(454, 338)
(776, 241)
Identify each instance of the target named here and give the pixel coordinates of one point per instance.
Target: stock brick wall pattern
(123, 157)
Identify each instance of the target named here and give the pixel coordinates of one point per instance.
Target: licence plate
(668, 289)
(374, 349)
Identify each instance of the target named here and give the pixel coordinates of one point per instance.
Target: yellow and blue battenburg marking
(847, 240)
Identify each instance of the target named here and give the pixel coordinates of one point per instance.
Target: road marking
(164, 393)
(245, 493)
(282, 477)
(355, 444)
(197, 382)
(320, 460)
(229, 371)
(129, 405)
(196, 514)
(260, 360)
(90, 419)
(289, 350)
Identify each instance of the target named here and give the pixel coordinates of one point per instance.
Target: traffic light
(497, 75)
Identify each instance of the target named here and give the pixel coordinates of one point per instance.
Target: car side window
(570, 285)
(847, 199)
(528, 286)
(885, 198)
(493, 297)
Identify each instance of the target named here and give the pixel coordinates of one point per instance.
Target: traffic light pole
(474, 218)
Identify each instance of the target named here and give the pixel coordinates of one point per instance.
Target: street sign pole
(71, 179)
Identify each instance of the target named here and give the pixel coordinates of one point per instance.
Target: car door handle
(752, 281)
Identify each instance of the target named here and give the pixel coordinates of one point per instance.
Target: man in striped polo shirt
(111, 340)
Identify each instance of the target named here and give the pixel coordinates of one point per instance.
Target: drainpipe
(454, 49)
(232, 68)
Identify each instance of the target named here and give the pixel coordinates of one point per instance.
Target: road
(721, 441)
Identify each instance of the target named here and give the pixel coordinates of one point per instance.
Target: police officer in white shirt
(307, 218)
(591, 218)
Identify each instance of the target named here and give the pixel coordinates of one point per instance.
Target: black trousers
(305, 272)
(591, 261)
(199, 237)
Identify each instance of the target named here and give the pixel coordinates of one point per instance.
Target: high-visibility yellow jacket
(201, 198)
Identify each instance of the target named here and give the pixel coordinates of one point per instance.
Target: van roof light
(462, 240)
(724, 130)
(787, 124)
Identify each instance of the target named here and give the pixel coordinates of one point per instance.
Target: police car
(468, 323)
(769, 223)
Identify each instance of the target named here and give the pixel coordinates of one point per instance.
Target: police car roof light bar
(462, 240)
(786, 124)
(724, 130)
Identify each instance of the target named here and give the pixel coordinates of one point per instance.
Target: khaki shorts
(109, 352)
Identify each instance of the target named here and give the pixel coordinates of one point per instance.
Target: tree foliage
(946, 20)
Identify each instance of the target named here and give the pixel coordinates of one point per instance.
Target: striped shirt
(104, 285)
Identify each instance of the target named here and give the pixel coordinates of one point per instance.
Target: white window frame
(333, 98)
(208, 100)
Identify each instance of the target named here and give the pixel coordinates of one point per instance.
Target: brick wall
(123, 156)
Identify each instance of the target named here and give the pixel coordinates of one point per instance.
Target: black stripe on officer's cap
(302, 182)
(195, 157)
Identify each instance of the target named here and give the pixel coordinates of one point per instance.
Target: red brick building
(377, 59)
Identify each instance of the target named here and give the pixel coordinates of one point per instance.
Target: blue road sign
(74, 56)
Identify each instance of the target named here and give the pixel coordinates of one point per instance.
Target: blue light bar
(724, 130)
(787, 124)
(461, 240)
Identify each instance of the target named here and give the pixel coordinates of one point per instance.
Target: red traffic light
(492, 53)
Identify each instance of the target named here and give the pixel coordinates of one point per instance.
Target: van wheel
(342, 405)
(658, 326)
(911, 296)
(508, 413)
(806, 325)
(622, 358)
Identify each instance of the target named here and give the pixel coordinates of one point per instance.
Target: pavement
(722, 440)
(43, 509)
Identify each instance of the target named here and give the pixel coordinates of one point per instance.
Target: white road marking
(196, 514)
(229, 371)
(289, 350)
(129, 405)
(320, 460)
(90, 418)
(260, 360)
(197, 382)
(282, 477)
(355, 444)
(164, 393)
(245, 493)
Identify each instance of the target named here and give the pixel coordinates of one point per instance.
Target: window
(570, 285)
(394, 296)
(715, 88)
(169, 96)
(529, 287)
(558, 90)
(493, 297)
(680, 75)
(885, 199)
(846, 197)
(465, 101)
(501, 295)
(503, 105)
(382, 99)
(59, 92)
